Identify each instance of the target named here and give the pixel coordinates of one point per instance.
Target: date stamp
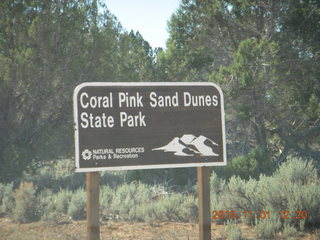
(285, 214)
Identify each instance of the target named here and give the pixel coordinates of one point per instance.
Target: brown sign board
(121, 126)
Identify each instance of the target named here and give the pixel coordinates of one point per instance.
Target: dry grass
(114, 230)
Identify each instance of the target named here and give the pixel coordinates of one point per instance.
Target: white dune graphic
(190, 145)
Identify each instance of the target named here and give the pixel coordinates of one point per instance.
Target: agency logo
(86, 154)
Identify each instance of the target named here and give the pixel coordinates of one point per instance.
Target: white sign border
(133, 84)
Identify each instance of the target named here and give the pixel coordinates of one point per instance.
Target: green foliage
(242, 195)
(268, 68)
(172, 207)
(264, 55)
(297, 171)
(233, 231)
(289, 230)
(188, 208)
(106, 197)
(313, 107)
(294, 187)
(114, 178)
(25, 203)
(302, 225)
(150, 213)
(62, 200)
(6, 199)
(248, 58)
(60, 193)
(217, 187)
(128, 197)
(267, 229)
(77, 206)
(252, 165)
(49, 49)
(177, 176)
(53, 207)
(137, 201)
(47, 207)
(55, 175)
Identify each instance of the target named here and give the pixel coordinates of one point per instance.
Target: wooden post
(93, 225)
(204, 203)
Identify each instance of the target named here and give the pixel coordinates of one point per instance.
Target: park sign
(121, 126)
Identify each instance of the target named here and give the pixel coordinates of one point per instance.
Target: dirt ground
(116, 230)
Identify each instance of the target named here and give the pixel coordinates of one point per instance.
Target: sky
(149, 17)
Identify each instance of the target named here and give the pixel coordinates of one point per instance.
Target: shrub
(113, 178)
(63, 168)
(106, 196)
(241, 195)
(63, 199)
(217, 187)
(297, 170)
(140, 202)
(173, 207)
(47, 209)
(305, 198)
(6, 199)
(42, 178)
(233, 231)
(25, 207)
(188, 209)
(301, 225)
(77, 206)
(251, 165)
(267, 229)
(170, 206)
(150, 213)
(295, 186)
(273, 194)
(177, 177)
(127, 198)
(56, 175)
(2, 191)
(52, 207)
(72, 182)
(179, 207)
(289, 230)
